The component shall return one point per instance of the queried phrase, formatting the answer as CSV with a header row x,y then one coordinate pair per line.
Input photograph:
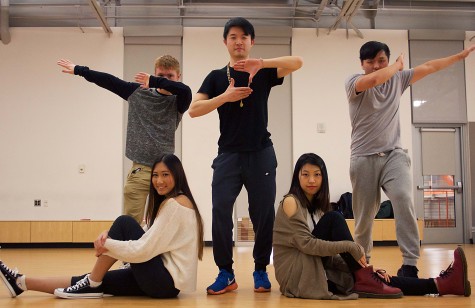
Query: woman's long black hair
x,y
155,200
321,200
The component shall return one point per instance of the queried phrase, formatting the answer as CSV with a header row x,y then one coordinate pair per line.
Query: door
x,y
438,179
439,116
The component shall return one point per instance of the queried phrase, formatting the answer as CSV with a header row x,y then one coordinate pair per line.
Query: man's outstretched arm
x,y
436,65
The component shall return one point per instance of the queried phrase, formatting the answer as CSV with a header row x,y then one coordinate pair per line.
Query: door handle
x,y
457,187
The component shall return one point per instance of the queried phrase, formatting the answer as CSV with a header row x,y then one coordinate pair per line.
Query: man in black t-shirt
x,y
240,91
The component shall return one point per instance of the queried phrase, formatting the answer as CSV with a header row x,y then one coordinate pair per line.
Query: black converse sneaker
x,y
9,277
82,289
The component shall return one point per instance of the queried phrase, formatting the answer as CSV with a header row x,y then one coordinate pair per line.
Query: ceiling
x,y
331,14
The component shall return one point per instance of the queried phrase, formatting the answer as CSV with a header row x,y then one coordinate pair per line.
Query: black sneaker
x,y
82,289
10,279
408,271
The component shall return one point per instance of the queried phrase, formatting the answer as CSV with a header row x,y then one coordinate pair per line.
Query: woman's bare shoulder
x,y
289,205
184,201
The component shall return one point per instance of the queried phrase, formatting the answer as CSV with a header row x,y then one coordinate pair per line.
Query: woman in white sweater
x,y
163,258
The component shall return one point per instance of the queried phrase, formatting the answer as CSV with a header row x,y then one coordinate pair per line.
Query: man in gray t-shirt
x,y
153,117
377,158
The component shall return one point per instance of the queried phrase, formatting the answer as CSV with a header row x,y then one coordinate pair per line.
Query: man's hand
x,y
68,65
467,51
252,66
143,79
234,94
400,61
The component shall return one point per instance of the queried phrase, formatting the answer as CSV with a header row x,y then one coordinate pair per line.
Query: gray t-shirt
x,y
374,114
152,121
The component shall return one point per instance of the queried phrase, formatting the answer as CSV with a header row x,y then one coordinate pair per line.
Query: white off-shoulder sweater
x,y
174,236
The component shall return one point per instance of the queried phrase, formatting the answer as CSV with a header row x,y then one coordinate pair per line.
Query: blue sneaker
x,y
261,281
225,282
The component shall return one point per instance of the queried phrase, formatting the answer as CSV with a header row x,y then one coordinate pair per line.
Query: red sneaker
x,y
369,285
454,279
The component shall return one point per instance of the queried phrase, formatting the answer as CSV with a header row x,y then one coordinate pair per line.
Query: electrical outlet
x,y
321,128
37,202
82,168
45,203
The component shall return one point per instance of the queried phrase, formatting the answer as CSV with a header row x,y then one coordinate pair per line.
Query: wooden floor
x,y
67,262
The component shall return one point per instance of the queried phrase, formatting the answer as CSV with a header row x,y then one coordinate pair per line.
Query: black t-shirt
x,y
242,128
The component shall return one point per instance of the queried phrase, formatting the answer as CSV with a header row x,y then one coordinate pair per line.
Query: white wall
x,y
203,51
319,96
51,122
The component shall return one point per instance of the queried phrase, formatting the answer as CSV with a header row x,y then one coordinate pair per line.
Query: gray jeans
x,y
392,173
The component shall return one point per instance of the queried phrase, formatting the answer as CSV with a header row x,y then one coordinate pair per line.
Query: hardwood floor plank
x,y
58,262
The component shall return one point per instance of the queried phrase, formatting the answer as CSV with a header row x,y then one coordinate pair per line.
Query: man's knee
x,y
403,200
222,211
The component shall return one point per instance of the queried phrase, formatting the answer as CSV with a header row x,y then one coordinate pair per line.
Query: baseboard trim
x,y
46,245
385,243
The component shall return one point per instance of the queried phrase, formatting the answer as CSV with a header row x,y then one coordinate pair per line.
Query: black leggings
x,y
149,278
332,227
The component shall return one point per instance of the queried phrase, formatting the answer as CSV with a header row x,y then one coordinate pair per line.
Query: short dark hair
x,y
370,49
240,22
